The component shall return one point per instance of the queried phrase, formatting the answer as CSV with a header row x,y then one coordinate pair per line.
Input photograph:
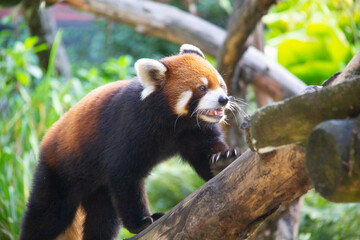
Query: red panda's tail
x,y
75,231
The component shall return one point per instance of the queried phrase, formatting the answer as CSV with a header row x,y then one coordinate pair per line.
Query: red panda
x,y
93,161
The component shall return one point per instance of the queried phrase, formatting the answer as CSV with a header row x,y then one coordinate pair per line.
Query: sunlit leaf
x,y
23,78
30,42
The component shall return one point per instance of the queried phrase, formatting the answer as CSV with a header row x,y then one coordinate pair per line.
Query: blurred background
x,y
311,39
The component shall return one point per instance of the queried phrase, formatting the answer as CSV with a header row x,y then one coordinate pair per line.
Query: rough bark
x,y
339,98
333,160
221,209
292,121
172,24
42,24
284,223
245,16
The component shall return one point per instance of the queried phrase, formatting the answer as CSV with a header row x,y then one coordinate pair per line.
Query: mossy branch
x,y
292,120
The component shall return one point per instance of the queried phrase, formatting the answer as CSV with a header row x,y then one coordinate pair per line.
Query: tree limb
x,y
245,16
172,24
221,209
279,83
292,120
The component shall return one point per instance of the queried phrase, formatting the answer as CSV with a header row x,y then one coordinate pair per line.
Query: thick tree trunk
x,y
333,160
42,24
236,201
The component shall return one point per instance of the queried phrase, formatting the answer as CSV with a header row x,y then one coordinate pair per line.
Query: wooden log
x,y
292,120
333,160
237,200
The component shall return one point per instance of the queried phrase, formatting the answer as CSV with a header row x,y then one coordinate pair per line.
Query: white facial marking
x,y
182,103
147,91
211,99
205,80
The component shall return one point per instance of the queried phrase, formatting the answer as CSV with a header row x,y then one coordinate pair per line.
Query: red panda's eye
x,y
202,88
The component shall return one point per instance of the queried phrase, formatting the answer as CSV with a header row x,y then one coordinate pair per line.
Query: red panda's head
x,y
191,85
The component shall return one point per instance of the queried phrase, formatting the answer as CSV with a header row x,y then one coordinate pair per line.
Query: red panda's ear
x,y
151,74
188,48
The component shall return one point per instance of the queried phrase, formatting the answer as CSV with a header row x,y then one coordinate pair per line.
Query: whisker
x,y
176,122
197,117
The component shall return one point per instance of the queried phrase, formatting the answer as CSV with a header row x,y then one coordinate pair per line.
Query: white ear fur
x,y
188,48
151,73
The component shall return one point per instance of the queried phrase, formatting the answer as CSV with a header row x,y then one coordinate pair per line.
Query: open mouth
x,y
215,113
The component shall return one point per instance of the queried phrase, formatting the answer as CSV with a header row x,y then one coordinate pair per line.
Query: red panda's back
x,y
77,126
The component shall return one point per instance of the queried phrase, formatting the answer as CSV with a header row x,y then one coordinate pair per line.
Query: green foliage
x,y
180,181
313,39
323,220
109,40
31,100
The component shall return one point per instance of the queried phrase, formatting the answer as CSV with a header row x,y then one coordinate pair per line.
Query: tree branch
x,y
279,83
292,120
180,27
221,209
245,16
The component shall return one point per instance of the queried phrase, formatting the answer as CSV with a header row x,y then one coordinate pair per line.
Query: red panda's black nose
x,y
223,100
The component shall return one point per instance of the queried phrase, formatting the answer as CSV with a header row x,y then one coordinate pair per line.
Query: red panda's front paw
x,y
219,161
144,223
156,216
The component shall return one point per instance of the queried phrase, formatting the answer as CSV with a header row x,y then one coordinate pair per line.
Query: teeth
x,y
214,112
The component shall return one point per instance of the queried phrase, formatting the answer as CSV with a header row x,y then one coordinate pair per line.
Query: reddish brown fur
x,y
80,121
187,69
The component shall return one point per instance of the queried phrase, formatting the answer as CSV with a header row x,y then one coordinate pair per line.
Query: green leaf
x,y
51,65
30,42
40,47
22,77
